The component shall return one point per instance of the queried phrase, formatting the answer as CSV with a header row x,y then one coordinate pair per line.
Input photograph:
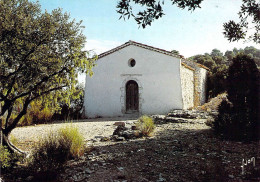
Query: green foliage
x,y
36,114
145,125
57,148
72,109
175,52
218,63
41,54
5,157
237,119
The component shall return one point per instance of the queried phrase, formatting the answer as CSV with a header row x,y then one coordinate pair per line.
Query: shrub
x,y
146,125
50,155
57,148
72,136
5,157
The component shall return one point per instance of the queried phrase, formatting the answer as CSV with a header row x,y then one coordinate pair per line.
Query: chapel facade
x,y
135,78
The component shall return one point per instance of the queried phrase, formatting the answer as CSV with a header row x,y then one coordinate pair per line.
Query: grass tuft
x,y
145,125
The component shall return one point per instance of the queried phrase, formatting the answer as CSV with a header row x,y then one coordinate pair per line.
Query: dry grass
x,y
213,103
145,125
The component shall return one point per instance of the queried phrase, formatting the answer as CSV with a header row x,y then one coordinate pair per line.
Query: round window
x,y
132,62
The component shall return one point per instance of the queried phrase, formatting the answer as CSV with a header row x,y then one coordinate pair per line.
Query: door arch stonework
x,y
123,94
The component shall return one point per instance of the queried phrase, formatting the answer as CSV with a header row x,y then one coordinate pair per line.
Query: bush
x,y
57,148
5,157
50,155
72,136
146,125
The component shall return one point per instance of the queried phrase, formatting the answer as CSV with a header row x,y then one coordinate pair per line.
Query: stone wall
x,y
200,78
187,84
202,85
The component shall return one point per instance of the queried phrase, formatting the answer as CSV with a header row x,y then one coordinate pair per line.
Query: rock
x,y
114,137
117,138
93,140
158,117
161,179
120,168
120,139
98,136
134,127
128,134
119,123
118,131
29,178
141,150
88,171
231,176
104,139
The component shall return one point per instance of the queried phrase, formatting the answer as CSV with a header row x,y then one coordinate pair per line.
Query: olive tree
x,y
41,54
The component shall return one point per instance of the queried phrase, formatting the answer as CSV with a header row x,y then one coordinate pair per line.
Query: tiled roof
x,y
186,66
202,66
130,42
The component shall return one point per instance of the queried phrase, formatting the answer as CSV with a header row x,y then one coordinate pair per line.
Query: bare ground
x,y
176,152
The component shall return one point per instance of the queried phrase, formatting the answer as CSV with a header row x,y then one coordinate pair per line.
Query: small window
x,y
131,62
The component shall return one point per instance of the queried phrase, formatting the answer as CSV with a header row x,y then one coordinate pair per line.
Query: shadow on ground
x,y
173,154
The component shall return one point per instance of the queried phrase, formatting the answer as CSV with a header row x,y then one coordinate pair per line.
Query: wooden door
x,y
132,96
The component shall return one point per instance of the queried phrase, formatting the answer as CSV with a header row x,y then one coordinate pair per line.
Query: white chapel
x,y
141,79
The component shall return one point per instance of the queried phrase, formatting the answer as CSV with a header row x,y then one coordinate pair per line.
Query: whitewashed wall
x,y
157,75
187,82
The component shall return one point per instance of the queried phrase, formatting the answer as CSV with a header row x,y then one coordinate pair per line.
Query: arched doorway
x,y
132,96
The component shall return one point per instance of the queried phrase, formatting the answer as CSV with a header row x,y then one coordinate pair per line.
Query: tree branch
x,y
28,100
8,129
8,115
46,78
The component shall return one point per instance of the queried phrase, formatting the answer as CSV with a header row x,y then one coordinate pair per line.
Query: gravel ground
x,y
92,129
176,152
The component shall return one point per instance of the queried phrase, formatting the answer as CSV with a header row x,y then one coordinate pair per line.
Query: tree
x,y
40,56
233,31
175,52
229,55
238,118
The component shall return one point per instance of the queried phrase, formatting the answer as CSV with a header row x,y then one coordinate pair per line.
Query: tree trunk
x,y
6,142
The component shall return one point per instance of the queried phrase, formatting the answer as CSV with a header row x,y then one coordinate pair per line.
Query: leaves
x,y
249,16
40,53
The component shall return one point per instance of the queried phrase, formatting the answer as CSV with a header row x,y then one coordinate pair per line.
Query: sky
x,y
190,33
